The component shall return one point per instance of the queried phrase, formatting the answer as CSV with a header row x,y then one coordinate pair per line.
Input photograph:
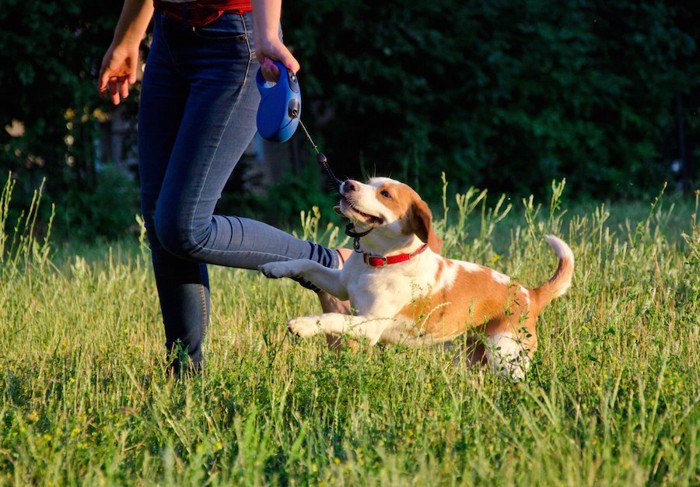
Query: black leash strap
x,y
356,236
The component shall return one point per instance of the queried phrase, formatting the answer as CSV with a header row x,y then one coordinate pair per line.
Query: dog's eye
x,y
385,193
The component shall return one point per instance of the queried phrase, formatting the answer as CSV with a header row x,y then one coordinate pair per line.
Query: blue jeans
x,y
196,117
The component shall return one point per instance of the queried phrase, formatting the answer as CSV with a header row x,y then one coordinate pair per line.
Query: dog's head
x,y
391,209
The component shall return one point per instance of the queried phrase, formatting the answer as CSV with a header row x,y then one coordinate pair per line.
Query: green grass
x,y
612,398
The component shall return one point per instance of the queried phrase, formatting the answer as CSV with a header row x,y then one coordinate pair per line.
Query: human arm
x,y
120,62
268,46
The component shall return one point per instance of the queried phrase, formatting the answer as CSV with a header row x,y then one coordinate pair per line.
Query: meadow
x,y
612,397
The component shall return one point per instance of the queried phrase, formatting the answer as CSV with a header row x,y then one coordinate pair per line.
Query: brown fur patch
x,y
413,212
473,300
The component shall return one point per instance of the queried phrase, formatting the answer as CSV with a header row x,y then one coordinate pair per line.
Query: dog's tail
x,y
561,280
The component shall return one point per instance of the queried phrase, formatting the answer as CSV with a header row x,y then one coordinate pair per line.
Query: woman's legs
x,y
196,117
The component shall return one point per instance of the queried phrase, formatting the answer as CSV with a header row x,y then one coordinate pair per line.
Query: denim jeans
x,y
196,117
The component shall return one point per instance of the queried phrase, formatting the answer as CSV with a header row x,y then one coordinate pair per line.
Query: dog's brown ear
x,y
421,224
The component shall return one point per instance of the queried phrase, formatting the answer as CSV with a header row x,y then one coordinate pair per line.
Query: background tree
x,y
501,94
49,55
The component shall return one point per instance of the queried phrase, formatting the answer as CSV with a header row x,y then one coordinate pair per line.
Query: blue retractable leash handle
x,y
280,105
279,113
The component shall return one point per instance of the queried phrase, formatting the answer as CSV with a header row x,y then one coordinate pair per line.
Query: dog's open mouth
x,y
349,210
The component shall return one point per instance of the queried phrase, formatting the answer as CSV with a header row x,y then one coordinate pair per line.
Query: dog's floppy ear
x,y
420,221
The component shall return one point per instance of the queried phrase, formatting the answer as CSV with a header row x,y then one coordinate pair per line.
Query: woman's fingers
x,y
269,71
124,82
118,88
276,50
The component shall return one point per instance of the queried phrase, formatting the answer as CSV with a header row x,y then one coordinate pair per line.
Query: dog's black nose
x,y
349,186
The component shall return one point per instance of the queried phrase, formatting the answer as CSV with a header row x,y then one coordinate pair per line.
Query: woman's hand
x,y
121,62
268,46
274,50
118,71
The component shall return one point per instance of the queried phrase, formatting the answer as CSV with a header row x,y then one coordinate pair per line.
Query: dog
x,y
405,292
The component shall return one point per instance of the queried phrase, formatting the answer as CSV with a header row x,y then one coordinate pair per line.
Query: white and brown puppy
x,y
403,291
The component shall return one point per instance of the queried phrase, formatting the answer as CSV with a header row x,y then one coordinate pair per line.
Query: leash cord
x,y
322,160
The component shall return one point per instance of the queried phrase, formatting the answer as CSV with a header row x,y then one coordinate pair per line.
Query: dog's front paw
x,y
306,326
276,270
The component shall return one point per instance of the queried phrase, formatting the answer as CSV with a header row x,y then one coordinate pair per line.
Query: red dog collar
x,y
374,261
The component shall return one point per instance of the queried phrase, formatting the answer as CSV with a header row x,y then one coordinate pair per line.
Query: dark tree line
x,y
506,94
501,94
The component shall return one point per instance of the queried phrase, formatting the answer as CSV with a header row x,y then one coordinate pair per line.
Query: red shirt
x,y
201,12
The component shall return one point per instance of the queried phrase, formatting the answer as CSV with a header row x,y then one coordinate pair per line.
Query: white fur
x,y
498,277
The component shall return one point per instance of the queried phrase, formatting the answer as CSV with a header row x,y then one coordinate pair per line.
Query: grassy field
x,y
612,398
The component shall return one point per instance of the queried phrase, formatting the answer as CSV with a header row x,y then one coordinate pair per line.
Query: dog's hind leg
x,y
507,355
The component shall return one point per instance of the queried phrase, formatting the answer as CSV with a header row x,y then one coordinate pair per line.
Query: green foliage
x,y
107,209
612,398
504,95
50,52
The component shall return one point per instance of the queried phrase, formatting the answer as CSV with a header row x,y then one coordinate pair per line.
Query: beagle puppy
x,y
405,292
